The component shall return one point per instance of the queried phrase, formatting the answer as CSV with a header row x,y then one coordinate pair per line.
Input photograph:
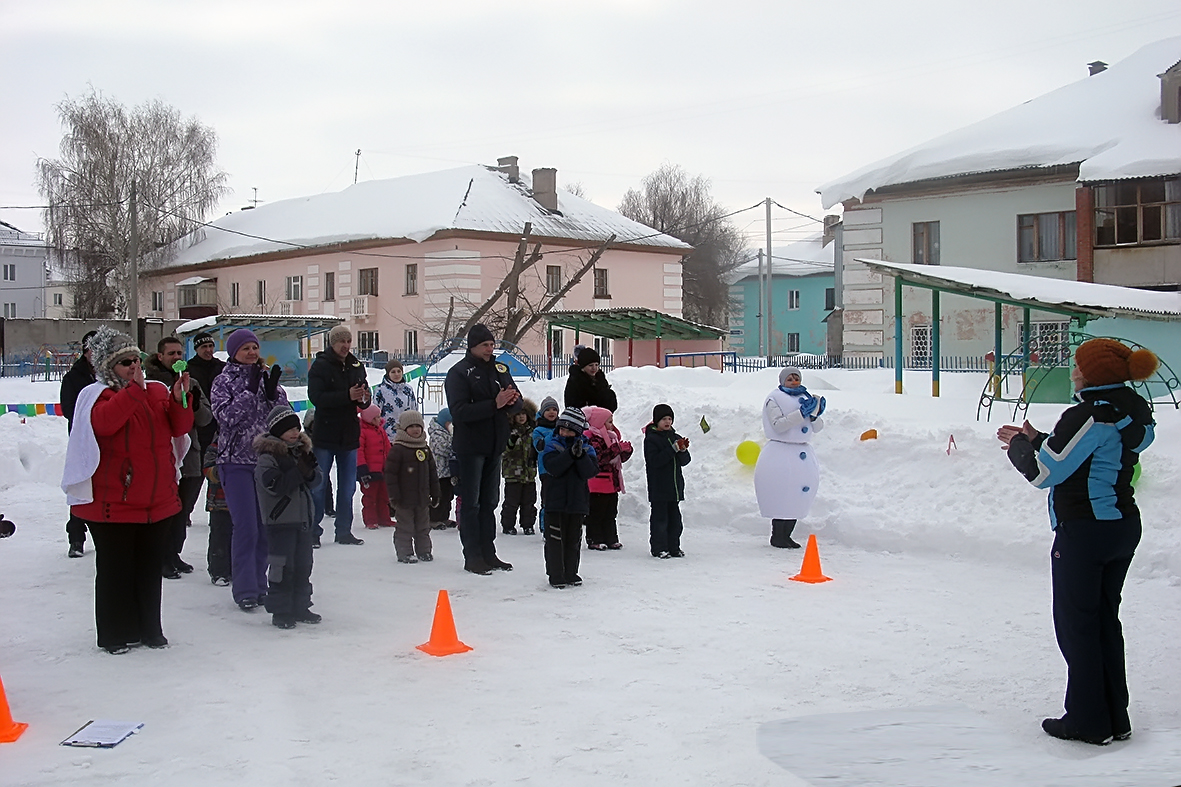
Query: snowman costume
x,y
787,474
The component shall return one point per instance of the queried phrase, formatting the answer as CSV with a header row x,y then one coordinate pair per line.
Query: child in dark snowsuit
x,y
570,462
665,453
519,467
413,484
547,419
284,478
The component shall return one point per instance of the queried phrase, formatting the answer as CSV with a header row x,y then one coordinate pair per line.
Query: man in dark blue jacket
x,y
1087,464
481,395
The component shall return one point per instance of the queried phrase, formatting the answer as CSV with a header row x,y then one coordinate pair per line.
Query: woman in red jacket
x,y
121,479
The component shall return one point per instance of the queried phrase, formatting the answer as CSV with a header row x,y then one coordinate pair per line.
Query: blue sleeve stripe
x,y
1121,423
1054,468
1149,436
1106,462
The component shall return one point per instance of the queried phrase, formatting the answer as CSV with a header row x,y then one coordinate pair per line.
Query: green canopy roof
x,y
632,324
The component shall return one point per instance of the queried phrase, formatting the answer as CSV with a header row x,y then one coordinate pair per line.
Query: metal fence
x,y
53,367
947,363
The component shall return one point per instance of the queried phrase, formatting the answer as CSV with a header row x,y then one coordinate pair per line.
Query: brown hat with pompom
x,y
1106,362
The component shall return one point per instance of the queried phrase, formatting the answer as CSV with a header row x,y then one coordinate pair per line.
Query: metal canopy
x,y
265,326
639,324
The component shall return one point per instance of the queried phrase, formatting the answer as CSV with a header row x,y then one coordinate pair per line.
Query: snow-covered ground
x,y
929,660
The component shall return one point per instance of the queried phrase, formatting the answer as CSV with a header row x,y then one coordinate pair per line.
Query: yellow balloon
x,y
748,452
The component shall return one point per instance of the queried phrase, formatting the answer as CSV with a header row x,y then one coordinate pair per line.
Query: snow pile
x,y
1110,122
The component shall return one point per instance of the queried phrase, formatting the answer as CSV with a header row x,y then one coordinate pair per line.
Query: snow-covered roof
x,y
193,280
803,258
1098,300
415,207
1110,124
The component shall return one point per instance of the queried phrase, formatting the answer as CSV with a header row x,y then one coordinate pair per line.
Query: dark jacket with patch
x,y
662,464
583,389
202,415
567,491
284,479
337,427
1088,460
411,478
472,386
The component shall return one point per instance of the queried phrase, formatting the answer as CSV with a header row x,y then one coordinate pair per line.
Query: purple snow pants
x,y
248,550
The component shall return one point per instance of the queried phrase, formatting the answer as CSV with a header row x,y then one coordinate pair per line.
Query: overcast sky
x,y
767,99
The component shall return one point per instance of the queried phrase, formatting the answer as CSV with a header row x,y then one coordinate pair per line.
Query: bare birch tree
x,y
104,148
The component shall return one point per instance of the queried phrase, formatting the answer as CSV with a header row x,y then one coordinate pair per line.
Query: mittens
x,y
577,450
819,409
807,406
272,382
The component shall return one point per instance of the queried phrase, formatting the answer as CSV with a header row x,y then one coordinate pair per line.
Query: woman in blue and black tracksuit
x,y
1087,464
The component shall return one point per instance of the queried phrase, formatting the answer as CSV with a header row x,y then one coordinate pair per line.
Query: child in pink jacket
x,y
375,447
612,452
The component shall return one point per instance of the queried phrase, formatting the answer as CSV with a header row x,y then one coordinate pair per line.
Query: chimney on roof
x,y
1097,67
830,229
545,188
508,165
1170,94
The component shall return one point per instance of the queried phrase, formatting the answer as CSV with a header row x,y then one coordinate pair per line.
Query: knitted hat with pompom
x,y
1106,362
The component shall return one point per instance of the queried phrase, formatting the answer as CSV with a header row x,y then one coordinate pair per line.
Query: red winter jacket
x,y
375,447
136,476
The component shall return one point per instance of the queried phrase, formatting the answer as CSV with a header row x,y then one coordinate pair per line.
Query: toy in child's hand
x,y
179,367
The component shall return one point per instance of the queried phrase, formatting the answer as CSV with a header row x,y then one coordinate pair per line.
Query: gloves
x,y
808,406
819,409
363,476
577,450
683,444
272,382
253,377
307,465
454,480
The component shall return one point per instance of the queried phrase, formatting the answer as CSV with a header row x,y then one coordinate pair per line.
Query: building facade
x,y
23,260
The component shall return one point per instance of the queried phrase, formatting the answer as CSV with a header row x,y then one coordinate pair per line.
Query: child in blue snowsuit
x,y
547,420
572,463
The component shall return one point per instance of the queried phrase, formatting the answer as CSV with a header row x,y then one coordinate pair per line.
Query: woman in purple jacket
x,y
242,396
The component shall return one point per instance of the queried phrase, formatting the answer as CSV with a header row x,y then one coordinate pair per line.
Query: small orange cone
x,y
810,572
444,641
869,434
9,730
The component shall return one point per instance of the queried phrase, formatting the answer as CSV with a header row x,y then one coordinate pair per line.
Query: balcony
x,y
289,308
364,307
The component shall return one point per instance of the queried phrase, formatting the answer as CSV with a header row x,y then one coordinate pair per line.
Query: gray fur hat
x,y
107,348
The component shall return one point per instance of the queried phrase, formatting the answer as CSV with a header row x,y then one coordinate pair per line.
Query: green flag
x,y
704,425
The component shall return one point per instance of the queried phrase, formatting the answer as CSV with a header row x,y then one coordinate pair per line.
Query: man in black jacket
x,y
81,374
203,368
587,385
481,395
339,389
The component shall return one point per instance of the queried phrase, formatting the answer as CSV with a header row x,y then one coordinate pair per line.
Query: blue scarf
x,y
801,393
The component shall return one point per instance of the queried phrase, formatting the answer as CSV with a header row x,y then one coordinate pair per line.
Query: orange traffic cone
x,y
9,730
444,641
810,572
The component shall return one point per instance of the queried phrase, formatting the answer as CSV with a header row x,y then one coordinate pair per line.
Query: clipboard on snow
x,y
103,733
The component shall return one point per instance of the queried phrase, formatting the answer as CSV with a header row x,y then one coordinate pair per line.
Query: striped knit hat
x,y
107,348
572,418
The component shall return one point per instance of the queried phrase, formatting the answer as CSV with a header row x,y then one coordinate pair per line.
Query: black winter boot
x,y
781,530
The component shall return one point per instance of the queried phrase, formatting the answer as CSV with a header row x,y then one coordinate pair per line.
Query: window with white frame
x,y
10,271
601,289
793,342
1049,341
260,292
603,347
556,343
1045,237
920,346
330,286
235,294
367,342
412,278
793,300
157,301
188,295
410,342
57,299
293,288
553,278
925,236
10,311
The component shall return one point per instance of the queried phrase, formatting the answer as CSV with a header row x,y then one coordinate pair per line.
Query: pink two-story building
x,y
404,262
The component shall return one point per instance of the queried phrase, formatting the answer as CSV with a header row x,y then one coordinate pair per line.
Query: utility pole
x,y
357,166
770,285
133,302
762,301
